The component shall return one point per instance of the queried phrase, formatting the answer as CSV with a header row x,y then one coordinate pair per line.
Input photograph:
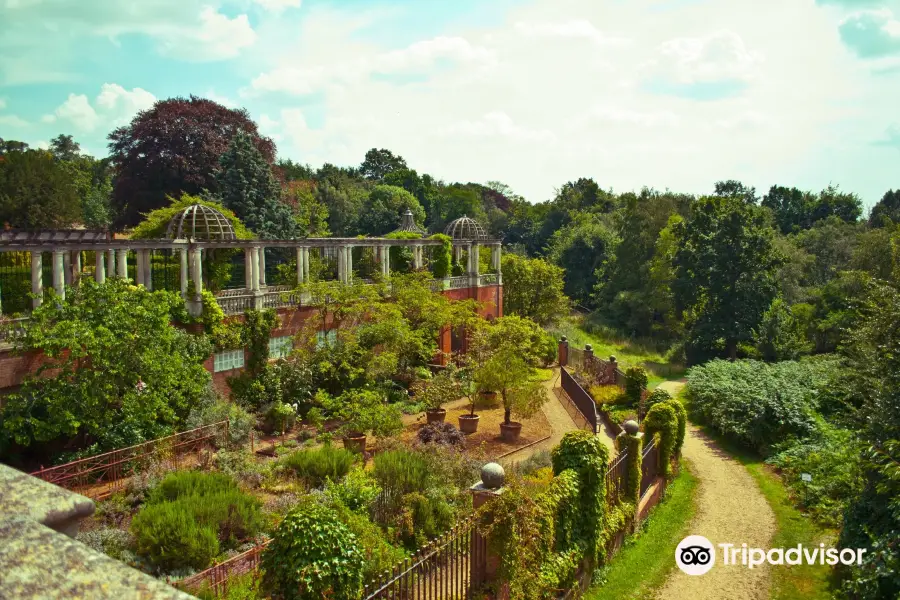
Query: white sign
x,y
805,476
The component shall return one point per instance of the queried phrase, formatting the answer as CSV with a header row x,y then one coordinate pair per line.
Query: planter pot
x,y
435,415
468,423
509,432
355,442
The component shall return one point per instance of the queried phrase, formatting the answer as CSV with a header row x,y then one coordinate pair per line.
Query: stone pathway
x,y
730,509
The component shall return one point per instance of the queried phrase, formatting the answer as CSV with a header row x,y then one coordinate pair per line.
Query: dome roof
x,y
408,224
465,228
200,222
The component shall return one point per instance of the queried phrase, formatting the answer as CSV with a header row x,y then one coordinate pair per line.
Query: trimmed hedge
x,y
315,467
662,419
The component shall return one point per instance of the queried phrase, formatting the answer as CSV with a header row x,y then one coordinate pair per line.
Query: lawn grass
x,y
628,353
644,563
795,582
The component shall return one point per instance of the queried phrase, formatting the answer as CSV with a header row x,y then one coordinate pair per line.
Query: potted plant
x,y
468,424
437,391
365,412
509,373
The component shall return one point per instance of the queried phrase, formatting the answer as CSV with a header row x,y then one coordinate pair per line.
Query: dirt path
x,y
730,509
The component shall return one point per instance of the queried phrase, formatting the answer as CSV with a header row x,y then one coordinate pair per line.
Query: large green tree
x,y
384,208
380,163
36,192
533,288
887,208
581,248
171,148
116,372
248,187
725,265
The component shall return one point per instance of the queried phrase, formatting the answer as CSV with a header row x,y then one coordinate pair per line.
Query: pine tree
x,y
248,187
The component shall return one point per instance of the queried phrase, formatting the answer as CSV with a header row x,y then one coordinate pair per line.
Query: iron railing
x,y
452,567
582,400
615,478
488,279
460,282
649,465
217,579
12,329
99,476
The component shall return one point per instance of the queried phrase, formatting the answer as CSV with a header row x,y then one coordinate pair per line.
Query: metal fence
x,y
582,400
615,478
649,465
218,578
99,476
452,567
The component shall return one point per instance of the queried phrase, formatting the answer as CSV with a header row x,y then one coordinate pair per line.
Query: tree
x,y
781,335
36,192
384,208
725,269
831,242
171,148
509,374
660,279
64,147
735,189
344,200
581,249
533,288
379,163
310,212
7,146
833,202
248,187
792,208
116,372
887,208
453,202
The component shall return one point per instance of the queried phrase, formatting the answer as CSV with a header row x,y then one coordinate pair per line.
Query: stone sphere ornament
x,y
631,427
492,476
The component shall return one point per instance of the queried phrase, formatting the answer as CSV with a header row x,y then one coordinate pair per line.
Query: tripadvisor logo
x,y
696,555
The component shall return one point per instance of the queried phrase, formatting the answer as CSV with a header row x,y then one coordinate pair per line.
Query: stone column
x,y
111,262
485,563
139,267
148,269
59,273
349,270
299,266
562,353
417,256
37,279
248,269
385,261
195,302
262,267
67,268
254,268
184,273
496,260
475,257
631,441
342,264
457,252
122,263
75,261
99,267
305,263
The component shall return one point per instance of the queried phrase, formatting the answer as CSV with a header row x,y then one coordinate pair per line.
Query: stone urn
x,y
510,432
468,424
435,415
355,442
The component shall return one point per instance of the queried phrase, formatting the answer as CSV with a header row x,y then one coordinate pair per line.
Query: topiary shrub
x,y
663,420
442,256
635,384
443,434
170,537
656,396
401,471
327,564
681,413
317,466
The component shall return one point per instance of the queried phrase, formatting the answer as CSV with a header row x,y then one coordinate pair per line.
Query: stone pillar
x,y
184,273
417,256
457,252
497,261
139,267
474,255
631,441
262,267
37,279
385,261
67,268
342,264
59,273
75,261
148,269
99,267
588,354
254,268
248,268
562,352
485,563
111,262
197,272
122,263
299,265
349,270
305,263
611,368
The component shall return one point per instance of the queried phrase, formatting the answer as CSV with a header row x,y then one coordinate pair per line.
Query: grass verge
x,y
646,560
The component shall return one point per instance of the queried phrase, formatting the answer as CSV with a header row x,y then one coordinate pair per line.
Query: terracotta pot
x,y
435,415
468,423
509,432
355,442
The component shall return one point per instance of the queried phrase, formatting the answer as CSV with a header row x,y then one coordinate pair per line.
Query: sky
x,y
671,94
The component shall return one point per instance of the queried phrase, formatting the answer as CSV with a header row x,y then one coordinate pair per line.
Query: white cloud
x,y
216,37
720,56
576,29
113,106
13,121
278,6
496,125
223,100
872,33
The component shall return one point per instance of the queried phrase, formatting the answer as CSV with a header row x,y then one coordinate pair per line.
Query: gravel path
x,y
730,509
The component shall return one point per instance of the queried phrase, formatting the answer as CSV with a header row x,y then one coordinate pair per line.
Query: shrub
x,y
663,420
401,471
655,397
328,564
379,554
213,409
424,516
168,535
535,462
317,466
759,404
187,483
681,414
635,384
443,434
608,394
111,541
357,491
547,349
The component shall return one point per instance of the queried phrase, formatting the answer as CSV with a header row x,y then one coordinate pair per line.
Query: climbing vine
x,y
255,333
635,384
633,445
681,414
662,419
442,257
